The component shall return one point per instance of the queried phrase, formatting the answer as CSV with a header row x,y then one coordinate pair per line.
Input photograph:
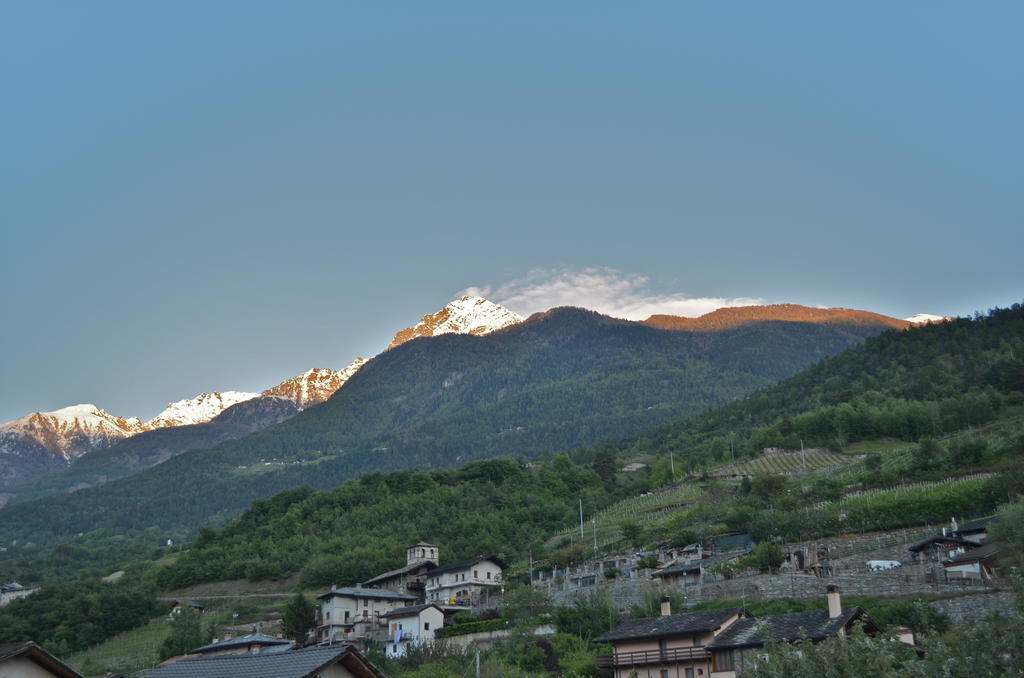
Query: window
x,y
346,615
488,575
689,673
722,661
697,642
366,602
663,648
426,626
476,574
664,673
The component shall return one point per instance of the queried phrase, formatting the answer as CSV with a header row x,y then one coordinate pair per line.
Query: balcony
x,y
673,655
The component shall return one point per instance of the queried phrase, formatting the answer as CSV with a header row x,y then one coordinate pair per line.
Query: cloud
x,y
606,290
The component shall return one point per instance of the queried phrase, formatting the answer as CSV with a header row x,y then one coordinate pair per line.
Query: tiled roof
x,y
669,625
462,565
979,523
409,611
400,571
980,553
815,625
294,664
242,641
356,592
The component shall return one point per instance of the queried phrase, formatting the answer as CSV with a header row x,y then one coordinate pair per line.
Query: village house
x,y
177,606
252,643
740,645
976,530
411,578
669,646
979,563
28,660
340,660
411,626
719,643
938,548
463,583
356,612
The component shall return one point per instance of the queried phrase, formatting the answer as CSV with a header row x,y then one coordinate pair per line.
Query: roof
x,y
359,592
815,626
978,524
303,663
38,655
946,539
402,570
670,625
242,641
410,611
678,567
461,565
980,553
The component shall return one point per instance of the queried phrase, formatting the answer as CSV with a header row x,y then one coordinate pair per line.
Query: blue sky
x,y
200,196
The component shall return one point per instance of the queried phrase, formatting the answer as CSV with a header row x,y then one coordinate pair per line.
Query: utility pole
x,y
478,664
803,455
594,523
732,452
672,463
581,518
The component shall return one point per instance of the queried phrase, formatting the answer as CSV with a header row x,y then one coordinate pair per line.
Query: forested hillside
x,y
927,381
561,379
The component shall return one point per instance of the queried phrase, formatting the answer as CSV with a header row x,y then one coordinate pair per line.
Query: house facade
x,y
669,646
28,660
411,578
356,612
410,626
979,563
463,583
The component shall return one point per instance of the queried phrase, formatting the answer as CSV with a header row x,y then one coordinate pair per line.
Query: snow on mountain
x,y
67,432
315,385
198,410
468,315
924,318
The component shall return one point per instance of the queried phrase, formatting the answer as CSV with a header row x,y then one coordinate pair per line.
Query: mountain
x,y
43,441
203,407
559,379
315,385
199,420
468,315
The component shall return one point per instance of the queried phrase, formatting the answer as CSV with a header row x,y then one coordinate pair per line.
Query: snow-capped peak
x,y
315,385
468,315
925,318
198,410
69,431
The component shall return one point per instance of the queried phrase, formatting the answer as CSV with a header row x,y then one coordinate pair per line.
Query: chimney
x,y
666,606
835,605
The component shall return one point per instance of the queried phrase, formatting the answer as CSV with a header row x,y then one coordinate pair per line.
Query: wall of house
x,y
336,671
19,667
472,579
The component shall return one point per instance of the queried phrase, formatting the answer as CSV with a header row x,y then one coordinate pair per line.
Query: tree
x,y
298,618
768,556
186,634
632,533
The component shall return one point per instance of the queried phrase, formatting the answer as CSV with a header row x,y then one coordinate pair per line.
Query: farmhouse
x,y
356,612
462,583
411,626
28,660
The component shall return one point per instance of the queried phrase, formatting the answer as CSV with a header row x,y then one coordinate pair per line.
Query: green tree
x,y
768,556
298,617
186,634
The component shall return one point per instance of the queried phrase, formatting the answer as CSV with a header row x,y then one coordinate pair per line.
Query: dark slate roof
x,y
669,625
242,641
980,553
295,664
815,626
400,571
462,565
352,591
38,655
939,538
979,524
680,567
407,611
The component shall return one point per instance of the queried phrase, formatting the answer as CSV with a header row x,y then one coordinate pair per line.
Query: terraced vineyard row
x,y
789,462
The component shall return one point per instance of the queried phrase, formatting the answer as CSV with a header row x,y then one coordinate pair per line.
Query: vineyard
x,y
786,462
646,509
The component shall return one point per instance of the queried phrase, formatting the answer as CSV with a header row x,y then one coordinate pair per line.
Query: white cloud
x,y
606,290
